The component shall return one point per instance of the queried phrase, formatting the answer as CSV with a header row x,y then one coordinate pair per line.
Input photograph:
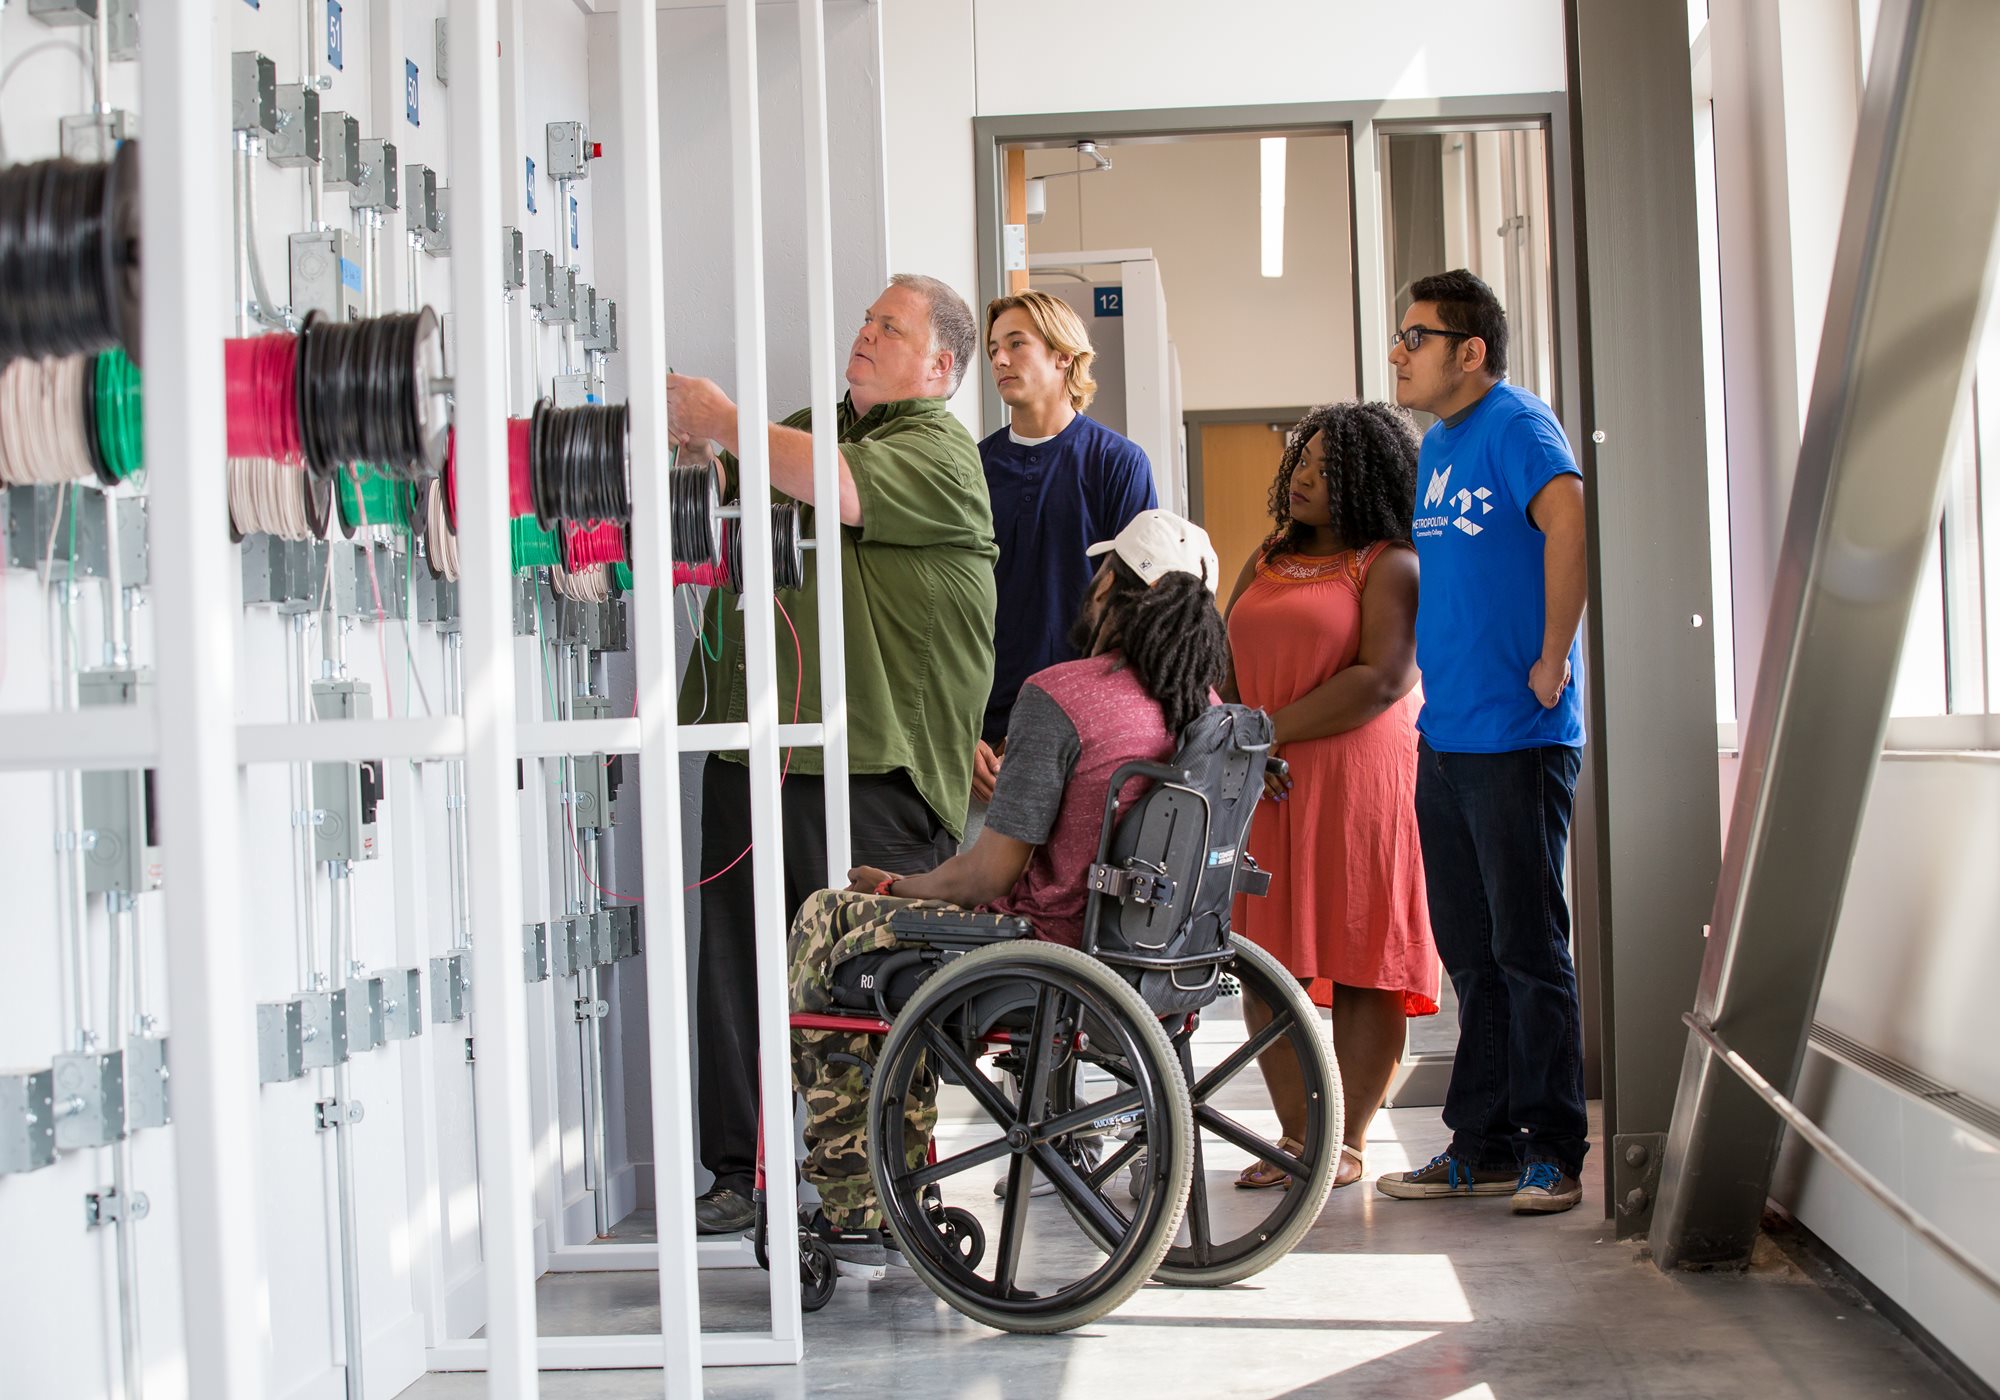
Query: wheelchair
x,y
1100,1048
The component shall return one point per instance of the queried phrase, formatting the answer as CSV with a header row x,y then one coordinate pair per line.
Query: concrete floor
x,y
1451,1300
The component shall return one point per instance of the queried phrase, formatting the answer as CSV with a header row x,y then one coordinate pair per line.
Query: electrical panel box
x,y
27,1120
147,1101
326,275
280,1041
419,197
513,262
535,952
437,241
570,151
323,1016
541,282
366,1018
89,1098
94,139
602,329
569,947
123,855
375,183
253,93
345,795
570,390
339,150
63,14
297,139
451,987
403,1003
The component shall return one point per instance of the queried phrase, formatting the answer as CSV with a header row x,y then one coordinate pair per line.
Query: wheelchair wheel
x,y
1228,1234
1068,1008
963,1232
818,1274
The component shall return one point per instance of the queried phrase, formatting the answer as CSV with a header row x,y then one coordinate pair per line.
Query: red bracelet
x,y
882,885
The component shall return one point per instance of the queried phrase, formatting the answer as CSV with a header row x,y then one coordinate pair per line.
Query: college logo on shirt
x,y
1464,500
1428,526
1434,493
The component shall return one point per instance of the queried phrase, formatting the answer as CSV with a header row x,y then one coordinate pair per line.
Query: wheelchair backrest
x,y
1162,890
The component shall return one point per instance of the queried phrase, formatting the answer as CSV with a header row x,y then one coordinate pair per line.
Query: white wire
x,y
89,68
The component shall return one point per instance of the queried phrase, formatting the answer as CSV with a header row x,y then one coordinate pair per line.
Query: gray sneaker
x,y
1544,1188
1446,1175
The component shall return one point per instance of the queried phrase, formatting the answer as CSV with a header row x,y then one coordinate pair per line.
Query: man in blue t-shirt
x,y
1058,482
1499,532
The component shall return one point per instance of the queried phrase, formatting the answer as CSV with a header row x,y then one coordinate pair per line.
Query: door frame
x,y
1194,420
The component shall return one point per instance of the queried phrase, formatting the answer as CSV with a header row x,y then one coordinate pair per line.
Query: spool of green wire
x,y
374,493
621,574
534,547
120,414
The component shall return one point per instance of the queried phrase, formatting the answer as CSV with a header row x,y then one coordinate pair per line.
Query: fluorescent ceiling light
x,y
1271,150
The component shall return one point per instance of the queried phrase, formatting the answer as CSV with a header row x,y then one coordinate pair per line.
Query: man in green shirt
x,y
917,556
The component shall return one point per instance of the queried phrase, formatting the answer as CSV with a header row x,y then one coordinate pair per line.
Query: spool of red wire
x,y
602,543
520,484
260,378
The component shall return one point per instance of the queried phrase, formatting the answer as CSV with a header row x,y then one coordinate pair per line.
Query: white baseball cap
x,y
1158,542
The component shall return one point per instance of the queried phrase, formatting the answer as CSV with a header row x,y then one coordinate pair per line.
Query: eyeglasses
x,y
1411,338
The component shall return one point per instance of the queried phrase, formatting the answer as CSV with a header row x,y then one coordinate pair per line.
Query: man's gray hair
x,y
952,326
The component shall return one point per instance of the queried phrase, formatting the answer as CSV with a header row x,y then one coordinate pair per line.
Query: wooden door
x,y
1239,461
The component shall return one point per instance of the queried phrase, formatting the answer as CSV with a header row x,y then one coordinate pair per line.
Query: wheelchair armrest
x,y
959,927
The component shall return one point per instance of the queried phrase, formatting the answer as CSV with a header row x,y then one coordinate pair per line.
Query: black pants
x,y
892,828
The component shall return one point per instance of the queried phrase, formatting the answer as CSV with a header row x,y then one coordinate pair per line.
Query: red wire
x,y
520,493
263,407
601,543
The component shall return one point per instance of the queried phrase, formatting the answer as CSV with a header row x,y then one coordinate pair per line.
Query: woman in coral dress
x,y
1322,634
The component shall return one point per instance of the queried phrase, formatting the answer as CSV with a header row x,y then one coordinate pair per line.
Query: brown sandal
x,y
1263,1176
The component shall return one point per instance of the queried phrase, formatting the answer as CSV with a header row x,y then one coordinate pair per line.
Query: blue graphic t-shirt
x,y
1481,603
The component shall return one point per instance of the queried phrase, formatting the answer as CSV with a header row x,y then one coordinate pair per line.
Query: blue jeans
x,y
1495,827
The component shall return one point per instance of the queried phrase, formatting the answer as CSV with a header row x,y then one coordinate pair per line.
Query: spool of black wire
x,y
694,495
69,256
788,560
365,395
579,464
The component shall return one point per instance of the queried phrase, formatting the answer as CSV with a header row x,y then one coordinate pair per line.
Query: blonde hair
x,y
1057,323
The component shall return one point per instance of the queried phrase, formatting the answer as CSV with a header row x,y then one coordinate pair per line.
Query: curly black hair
x,y
1370,472
1170,634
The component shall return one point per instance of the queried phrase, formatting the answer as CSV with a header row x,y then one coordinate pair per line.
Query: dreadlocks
x,y
1170,633
1370,452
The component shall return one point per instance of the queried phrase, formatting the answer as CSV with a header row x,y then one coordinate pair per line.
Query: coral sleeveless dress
x,y
1347,877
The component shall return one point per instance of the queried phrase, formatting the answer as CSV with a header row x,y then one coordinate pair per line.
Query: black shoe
x,y
722,1211
849,1246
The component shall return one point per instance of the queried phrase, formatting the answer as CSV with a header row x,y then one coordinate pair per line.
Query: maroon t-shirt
x,y
1072,727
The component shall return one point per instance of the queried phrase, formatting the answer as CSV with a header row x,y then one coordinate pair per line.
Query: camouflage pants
x,y
833,927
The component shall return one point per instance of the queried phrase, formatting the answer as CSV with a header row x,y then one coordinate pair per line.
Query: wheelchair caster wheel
x,y
964,1234
760,1238
818,1273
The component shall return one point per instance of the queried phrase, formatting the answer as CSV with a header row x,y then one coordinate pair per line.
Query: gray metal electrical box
x,y
583,306
562,307
603,939
440,69
569,946
587,780
541,282
35,514
339,150
148,1104
91,138
89,1098
570,390
326,275
570,151
375,179
420,203
437,242
345,795
63,14
123,855
27,1120
403,1003
297,139
367,1020
602,333
535,952
513,262
253,92
280,1041
451,987
323,1016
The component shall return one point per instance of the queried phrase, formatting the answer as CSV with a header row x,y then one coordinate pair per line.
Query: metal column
x,y
1649,852
1912,275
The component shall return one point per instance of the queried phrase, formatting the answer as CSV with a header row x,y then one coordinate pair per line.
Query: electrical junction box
x,y
89,1099
375,185
366,1019
602,331
323,1033
569,946
124,26
562,308
603,939
345,795
266,563
440,69
423,595
297,139
326,274
570,151
614,631
27,1120
420,198
148,1103
535,952
63,14
524,604
585,308
541,282
437,242
339,150
94,139
570,390
587,780
447,606
513,262
451,987
280,1041
253,93
624,930
402,1003
37,514
123,855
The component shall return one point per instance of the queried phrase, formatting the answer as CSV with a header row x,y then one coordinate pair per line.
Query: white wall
x,y
1245,340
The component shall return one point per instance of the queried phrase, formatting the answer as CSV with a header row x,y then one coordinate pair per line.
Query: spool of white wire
x,y
42,423
439,540
590,584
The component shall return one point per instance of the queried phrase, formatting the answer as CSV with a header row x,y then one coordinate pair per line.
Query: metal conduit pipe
x,y
131,1354
341,1120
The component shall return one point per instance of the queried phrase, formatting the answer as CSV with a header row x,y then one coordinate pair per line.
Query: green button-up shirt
x,y
916,583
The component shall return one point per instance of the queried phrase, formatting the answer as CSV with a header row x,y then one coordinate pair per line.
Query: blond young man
x,y
1058,481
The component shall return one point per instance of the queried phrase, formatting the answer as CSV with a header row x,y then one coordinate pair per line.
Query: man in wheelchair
x,y
1153,650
